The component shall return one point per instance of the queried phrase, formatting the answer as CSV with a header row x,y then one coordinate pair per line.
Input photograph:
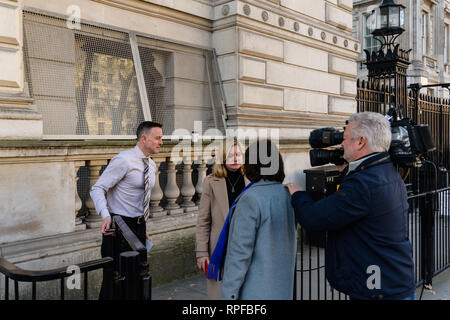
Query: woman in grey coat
x,y
261,249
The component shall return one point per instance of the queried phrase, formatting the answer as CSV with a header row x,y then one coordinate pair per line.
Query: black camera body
x,y
407,144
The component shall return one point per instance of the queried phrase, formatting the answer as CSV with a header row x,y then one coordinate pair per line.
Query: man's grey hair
x,y
375,127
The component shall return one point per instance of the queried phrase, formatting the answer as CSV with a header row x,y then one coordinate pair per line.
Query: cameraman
x,y
368,253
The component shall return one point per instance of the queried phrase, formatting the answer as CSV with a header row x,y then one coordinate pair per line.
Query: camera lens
x,y
325,137
319,157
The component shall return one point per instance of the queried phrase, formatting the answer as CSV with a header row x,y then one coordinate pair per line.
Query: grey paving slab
x,y
188,289
440,289
194,288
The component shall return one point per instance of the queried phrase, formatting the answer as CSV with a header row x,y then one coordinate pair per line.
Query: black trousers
x,y
109,242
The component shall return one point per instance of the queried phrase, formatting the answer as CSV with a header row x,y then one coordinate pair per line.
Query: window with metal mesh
x,y
154,69
85,82
106,87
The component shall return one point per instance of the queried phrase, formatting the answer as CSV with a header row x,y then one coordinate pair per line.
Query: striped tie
x,y
146,191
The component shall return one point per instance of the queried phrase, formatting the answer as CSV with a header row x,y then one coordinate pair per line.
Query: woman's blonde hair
x,y
226,147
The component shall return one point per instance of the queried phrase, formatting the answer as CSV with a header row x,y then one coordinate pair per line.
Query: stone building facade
x,y
427,34
77,77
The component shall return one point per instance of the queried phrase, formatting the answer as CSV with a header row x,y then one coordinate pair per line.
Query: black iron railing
x,y
429,233
125,275
429,194
16,274
420,108
429,219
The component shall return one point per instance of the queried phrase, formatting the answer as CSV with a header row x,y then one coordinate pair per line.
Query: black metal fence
x,y
429,218
16,275
429,233
420,108
428,195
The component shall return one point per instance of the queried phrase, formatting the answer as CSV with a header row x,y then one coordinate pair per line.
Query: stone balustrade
x,y
57,177
48,219
174,192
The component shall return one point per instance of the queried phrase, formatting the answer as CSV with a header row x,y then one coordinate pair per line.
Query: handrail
x,y
428,192
13,272
108,264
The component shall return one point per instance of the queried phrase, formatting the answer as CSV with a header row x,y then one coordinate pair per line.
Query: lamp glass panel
x,y
402,18
384,13
394,17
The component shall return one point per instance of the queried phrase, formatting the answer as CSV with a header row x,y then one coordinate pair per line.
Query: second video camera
x,y
323,138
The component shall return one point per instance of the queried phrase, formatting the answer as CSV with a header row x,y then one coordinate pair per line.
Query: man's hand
x,y
202,263
292,187
106,224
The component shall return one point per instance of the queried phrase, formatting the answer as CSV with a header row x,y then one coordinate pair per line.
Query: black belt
x,y
138,220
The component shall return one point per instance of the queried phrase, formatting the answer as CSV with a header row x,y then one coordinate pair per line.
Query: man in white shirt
x,y
120,190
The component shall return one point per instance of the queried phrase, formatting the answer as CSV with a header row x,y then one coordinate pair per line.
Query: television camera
x,y
409,142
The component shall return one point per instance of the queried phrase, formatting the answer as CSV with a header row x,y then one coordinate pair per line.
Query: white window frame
x,y
424,33
446,39
374,43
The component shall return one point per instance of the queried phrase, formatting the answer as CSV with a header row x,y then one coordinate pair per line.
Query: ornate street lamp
x,y
391,22
390,25
387,66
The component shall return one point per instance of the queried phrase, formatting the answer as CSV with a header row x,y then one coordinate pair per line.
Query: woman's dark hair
x,y
263,161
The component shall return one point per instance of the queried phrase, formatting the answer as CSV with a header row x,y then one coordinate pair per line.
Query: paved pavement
x,y
440,290
195,289
188,289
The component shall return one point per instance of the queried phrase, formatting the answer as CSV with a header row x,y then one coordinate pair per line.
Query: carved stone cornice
x,y
266,17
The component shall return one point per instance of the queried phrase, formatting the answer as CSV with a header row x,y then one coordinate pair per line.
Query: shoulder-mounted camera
x,y
408,142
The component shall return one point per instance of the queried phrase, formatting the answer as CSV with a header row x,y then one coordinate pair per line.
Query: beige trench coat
x,y
212,214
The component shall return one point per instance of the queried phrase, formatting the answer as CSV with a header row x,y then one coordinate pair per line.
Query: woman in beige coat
x,y
220,189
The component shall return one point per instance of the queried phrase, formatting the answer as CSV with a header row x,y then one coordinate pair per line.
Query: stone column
x,y
188,189
157,194
79,225
201,176
171,190
93,220
18,116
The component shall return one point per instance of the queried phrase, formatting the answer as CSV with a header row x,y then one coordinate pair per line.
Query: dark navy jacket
x,y
366,220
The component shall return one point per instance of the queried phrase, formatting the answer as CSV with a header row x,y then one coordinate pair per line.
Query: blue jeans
x,y
411,297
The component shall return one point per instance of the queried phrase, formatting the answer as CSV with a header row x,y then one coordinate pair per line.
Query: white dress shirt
x,y
123,183
355,164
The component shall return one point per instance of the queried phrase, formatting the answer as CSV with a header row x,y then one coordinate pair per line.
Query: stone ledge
x,y
39,247
18,113
77,143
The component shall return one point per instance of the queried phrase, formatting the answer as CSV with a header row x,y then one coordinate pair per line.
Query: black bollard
x,y
130,271
145,287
